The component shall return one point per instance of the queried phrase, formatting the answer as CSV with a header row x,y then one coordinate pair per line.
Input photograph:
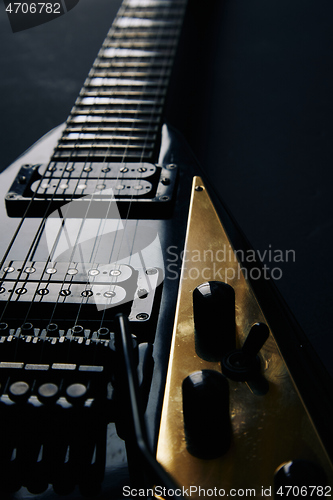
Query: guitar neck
x,y
118,113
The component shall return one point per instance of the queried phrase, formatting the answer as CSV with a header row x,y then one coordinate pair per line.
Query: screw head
x,y
151,270
142,316
142,293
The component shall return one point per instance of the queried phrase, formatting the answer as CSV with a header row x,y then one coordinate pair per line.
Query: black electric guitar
x,y
123,368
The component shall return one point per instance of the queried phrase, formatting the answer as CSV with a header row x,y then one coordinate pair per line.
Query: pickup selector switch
x,y
207,423
214,319
244,364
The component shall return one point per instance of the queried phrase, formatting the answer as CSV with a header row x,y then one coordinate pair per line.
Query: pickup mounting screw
x,y
142,316
151,270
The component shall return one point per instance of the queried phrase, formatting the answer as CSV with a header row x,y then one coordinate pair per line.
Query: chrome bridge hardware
x,y
140,190
55,411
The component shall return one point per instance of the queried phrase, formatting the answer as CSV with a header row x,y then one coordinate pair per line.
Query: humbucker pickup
x,y
140,190
91,292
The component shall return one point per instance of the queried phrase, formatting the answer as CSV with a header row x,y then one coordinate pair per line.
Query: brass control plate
x,y
267,430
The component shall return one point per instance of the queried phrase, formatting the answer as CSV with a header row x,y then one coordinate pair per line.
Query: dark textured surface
x,y
264,133
254,102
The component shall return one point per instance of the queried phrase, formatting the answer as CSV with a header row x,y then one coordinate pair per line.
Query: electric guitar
x,y
140,345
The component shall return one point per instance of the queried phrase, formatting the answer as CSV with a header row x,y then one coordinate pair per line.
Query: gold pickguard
x,y
267,430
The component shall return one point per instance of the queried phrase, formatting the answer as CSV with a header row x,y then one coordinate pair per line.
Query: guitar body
x,y
171,233
70,266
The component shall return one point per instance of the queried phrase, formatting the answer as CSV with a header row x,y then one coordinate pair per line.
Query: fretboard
x,y
117,116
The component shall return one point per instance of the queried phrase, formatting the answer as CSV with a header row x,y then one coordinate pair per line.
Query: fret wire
x,y
117,129
120,93
123,83
115,112
137,43
108,119
115,135
128,72
138,33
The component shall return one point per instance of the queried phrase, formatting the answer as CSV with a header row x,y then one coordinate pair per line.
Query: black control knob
x,y
206,414
244,364
214,319
299,473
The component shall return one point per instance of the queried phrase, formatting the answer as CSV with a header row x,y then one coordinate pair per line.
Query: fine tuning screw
x,y
206,414
244,364
214,319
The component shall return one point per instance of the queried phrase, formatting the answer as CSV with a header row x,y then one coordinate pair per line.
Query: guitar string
x,y
113,284
170,52
75,245
71,258
37,234
142,155
104,160
61,230
167,59
99,240
25,214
